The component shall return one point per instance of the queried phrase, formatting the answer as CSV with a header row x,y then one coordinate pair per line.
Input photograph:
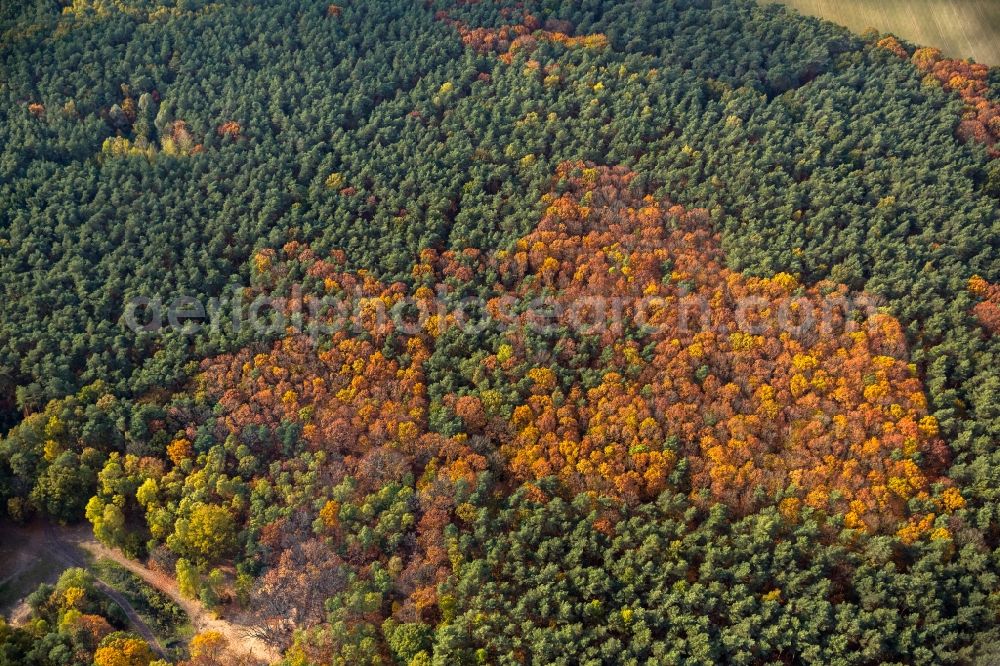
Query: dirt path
x,y
236,634
69,556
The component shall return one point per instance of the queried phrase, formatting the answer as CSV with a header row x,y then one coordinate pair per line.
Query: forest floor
x,y
960,28
40,553
235,631
21,568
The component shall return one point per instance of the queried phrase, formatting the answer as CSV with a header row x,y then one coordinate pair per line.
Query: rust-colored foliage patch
x,y
230,128
987,310
981,119
893,45
525,36
708,364
660,353
365,411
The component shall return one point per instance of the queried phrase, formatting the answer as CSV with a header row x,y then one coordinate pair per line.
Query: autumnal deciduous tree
x,y
208,533
87,629
230,128
207,646
122,649
893,45
188,578
292,593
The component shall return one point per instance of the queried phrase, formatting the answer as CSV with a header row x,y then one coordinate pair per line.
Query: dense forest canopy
x,y
642,491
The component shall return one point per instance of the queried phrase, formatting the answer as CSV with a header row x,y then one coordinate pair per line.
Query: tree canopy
x,y
735,397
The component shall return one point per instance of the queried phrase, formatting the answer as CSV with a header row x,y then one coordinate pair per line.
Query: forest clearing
x,y
38,553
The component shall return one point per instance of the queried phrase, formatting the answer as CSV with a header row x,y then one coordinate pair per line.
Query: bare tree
x,y
292,593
